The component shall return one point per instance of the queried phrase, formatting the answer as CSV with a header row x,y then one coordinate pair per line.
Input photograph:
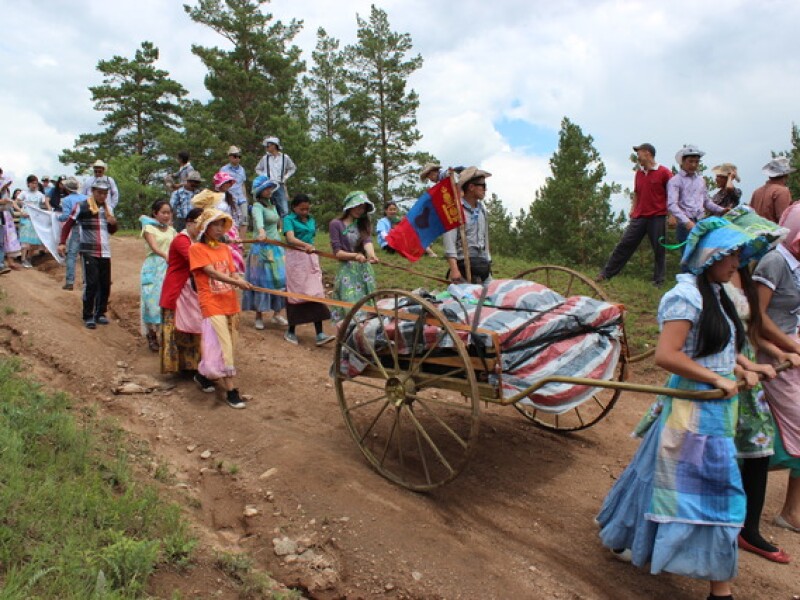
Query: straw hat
x,y
427,169
207,199
471,173
211,215
726,169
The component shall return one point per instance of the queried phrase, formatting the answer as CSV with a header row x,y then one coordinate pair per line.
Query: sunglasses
x,y
235,155
483,185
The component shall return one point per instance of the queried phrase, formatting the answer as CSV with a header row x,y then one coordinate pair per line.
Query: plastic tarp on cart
x,y
541,333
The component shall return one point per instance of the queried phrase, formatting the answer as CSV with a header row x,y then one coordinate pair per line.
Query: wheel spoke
x,y
428,439
375,420
364,358
391,435
580,418
415,368
377,360
444,425
364,383
418,326
420,448
448,404
382,324
358,405
569,285
600,404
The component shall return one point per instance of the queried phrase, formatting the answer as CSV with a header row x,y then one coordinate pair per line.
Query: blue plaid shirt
x,y
181,202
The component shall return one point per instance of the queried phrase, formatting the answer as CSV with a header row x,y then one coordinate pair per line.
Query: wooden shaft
x,y
334,257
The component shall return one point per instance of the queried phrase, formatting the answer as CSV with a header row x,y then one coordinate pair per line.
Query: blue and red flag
x,y
435,212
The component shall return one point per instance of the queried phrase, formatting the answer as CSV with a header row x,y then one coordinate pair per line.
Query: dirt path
x,y
516,524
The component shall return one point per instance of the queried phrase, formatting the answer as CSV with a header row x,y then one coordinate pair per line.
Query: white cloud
x,y
716,73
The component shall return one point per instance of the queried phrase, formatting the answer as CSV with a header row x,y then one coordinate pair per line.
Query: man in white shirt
x,y
99,173
278,167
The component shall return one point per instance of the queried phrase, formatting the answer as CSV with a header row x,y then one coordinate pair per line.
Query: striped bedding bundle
x,y
541,334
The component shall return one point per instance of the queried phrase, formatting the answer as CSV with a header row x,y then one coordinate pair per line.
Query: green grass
x,y
75,523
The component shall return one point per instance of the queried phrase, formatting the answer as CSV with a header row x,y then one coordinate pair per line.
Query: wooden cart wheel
x,y
565,281
414,411
580,417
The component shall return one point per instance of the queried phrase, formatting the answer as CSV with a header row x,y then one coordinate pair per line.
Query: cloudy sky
x,y
497,77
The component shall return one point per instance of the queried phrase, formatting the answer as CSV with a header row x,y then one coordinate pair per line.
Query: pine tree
x,y
341,158
794,156
570,220
142,105
254,85
141,102
501,227
379,68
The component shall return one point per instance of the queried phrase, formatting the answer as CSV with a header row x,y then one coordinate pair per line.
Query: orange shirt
x,y
216,297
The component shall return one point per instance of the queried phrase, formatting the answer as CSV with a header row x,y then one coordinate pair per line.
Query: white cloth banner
x,y
48,228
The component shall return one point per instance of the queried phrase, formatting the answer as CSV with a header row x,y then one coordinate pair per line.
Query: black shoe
x,y
102,320
234,400
90,324
68,287
205,383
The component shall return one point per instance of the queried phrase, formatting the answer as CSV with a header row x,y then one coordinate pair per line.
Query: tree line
x,y
348,119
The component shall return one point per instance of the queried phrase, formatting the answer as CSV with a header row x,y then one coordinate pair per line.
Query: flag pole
x,y
462,229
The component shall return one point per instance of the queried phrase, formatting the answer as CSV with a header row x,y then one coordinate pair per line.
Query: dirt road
x,y
518,523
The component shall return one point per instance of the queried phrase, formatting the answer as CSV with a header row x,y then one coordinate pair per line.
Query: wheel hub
x,y
397,391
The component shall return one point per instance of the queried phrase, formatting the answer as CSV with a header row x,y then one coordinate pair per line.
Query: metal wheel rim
x,y
468,374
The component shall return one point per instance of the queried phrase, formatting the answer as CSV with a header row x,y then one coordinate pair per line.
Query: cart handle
x,y
715,394
333,257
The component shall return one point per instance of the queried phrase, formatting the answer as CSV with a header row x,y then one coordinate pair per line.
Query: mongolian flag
x,y
435,212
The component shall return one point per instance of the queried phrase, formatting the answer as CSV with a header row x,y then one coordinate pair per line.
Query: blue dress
x,y
266,264
679,505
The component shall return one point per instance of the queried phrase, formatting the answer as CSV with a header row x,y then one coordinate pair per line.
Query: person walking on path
x,y
472,182
266,265
278,167
303,273
68,202
774,197
687,194
727,195
97,224
755,427
29,239
238,190
158,234
648,217
180,333
351,241
679,505
776,278
181,199
215,275
99,173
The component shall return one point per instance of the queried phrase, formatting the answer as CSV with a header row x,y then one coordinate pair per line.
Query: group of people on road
x,y
694,492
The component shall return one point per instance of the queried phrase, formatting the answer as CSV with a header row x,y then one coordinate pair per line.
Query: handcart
x,y
411,371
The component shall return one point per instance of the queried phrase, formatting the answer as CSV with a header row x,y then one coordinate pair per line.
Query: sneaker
x,y
4,269
291,338
90,324
279,320
234,400
68,286
324,338
205,383
102,320
259,324
27,264
600,277
623,555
